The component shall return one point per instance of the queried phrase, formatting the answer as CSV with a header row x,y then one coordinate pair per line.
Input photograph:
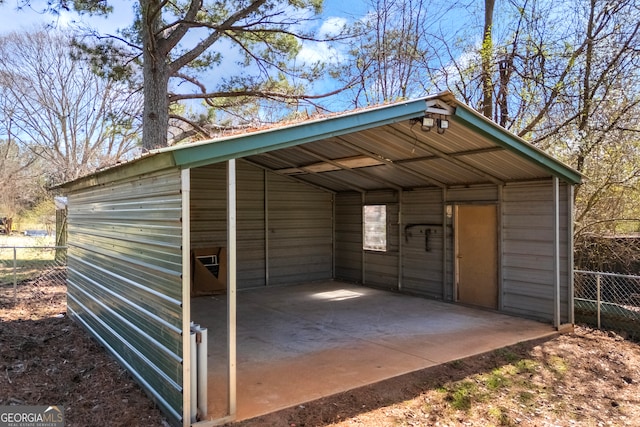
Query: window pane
x,y
375,227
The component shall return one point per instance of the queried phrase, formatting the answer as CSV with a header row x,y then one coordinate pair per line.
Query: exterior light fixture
x,y
427,123
443,124
437,114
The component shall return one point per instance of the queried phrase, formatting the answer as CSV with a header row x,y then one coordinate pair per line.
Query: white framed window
x,y
375,228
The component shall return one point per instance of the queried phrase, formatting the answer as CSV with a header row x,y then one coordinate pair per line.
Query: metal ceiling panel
x,y
349,178
333,183
331,148
455,139
409,157
483,127
507,166
399,176
388,143
445,171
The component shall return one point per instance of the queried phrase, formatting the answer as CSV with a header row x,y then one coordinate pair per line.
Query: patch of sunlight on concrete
x,y
337,295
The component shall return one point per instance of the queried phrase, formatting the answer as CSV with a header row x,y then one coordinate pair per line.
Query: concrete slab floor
x,y
299,343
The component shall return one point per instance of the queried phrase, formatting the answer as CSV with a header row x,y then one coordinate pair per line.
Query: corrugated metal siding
x,y
250,220
209,217
299,224
124,277
450,261
300,228
209,206
478,193
566,267
528,253
422,216
381,268
349,236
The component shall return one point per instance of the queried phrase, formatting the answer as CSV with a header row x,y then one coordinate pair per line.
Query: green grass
x,y
510,379
527,366
497,380
462,395
514,387
501,416
557,365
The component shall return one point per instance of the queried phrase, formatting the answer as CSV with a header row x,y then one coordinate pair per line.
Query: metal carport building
x,y
465,212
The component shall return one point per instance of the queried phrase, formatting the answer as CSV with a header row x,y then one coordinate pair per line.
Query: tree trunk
x,y
155,124
487,60
502,98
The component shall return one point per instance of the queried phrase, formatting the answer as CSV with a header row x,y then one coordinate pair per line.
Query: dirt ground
x,y
589,378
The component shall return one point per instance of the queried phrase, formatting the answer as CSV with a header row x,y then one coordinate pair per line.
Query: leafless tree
x,y
222,53
388,58
563,75
61,110
21,172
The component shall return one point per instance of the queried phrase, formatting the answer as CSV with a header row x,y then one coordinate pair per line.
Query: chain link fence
x,y
31,266
608,300
604,300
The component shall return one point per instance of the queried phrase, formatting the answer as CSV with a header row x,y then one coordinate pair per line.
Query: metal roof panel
x,y
472,150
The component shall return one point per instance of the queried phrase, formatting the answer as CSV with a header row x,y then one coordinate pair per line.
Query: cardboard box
x,y
208,271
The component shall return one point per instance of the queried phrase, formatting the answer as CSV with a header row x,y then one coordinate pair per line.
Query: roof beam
x,y
391,163
458,154
477,151
354,171
348,162
295,178
325,177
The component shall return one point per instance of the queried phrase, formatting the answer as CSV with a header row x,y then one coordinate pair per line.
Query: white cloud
x,y
319,52
30,19
332,26
328,52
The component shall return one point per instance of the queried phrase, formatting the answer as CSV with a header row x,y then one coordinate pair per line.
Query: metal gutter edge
x,y
516,144
144,165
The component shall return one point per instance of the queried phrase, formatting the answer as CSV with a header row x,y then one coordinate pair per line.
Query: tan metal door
x,y
477,255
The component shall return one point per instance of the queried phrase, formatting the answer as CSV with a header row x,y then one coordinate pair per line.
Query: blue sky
x,y
335,14
14,20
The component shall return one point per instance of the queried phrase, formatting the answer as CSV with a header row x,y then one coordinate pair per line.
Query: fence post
x,y
15,276
598,298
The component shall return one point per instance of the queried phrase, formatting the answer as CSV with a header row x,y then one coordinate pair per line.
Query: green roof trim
x,y
511,142
201,154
